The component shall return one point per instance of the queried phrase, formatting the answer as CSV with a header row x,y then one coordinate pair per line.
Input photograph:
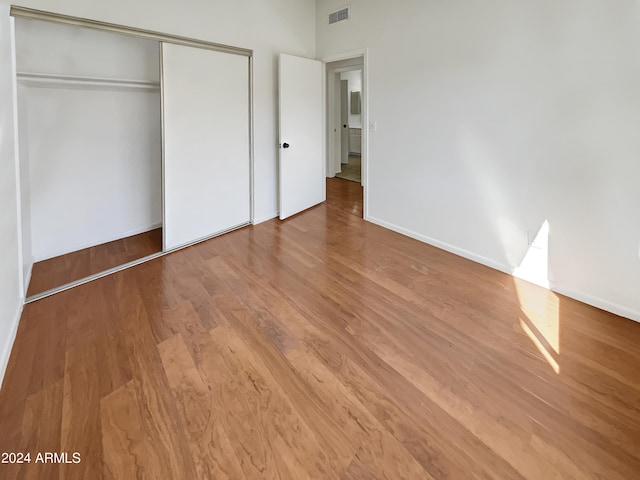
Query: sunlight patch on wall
x,y
534,267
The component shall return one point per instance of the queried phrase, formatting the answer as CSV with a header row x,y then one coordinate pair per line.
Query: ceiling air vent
x,y
339,15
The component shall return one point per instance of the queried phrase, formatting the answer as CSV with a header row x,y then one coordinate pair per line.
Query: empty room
x,y
315,239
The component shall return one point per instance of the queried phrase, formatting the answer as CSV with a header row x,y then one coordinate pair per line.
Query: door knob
x,y
285,145
344,126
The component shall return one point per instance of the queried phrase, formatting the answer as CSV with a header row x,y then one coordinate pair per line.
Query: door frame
x,y
329,101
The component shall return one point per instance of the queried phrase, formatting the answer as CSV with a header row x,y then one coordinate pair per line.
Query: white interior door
x,y
344,122
206,153
302,169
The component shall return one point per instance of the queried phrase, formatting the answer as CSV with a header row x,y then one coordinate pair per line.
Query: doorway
x,y
351,125
346,125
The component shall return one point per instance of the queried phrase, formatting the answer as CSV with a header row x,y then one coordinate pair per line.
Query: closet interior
x,y
130,146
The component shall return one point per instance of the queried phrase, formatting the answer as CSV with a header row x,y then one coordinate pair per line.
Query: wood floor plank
x,y
269,437
158,413
28,371
322,346
307,401
384,456
129,453
267,318
39,436
81,417
210,447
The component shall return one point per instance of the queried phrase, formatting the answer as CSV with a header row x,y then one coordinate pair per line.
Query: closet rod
x,y
22,12
83,80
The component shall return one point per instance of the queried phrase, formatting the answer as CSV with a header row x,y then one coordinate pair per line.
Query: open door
x,y
302,168
344,122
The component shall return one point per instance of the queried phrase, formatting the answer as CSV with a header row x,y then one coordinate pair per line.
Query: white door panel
x,y
206,143
302,168
344,122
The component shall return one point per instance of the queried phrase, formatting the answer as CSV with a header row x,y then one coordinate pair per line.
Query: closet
x,y
131,144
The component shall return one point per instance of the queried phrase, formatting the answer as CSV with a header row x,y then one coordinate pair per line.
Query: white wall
x,y
496,116
11,294
354,79
90,156
269,28
46,47
95,166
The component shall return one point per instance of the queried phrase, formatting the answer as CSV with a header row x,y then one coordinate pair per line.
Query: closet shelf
x,y
78,80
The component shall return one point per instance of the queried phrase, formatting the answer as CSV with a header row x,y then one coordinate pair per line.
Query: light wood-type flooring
x,y
73,266
321,347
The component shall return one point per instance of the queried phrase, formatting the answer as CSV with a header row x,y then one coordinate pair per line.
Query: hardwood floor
x,y
73,266
321,347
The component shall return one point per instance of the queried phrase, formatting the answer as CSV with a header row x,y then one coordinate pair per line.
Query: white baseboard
x,y
6,348
444,246
265,218
597,302
129,233
568,292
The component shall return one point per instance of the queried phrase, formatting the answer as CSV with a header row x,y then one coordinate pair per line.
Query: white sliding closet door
x,y
206,143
